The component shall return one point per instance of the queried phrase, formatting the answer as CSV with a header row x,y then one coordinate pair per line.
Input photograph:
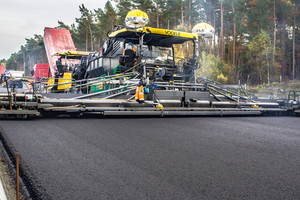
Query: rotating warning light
x,y
136,19
204,29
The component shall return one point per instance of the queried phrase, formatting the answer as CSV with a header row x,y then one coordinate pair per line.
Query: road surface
x,y
159,158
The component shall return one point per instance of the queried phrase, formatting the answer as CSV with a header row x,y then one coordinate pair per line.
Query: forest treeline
x,y
255,41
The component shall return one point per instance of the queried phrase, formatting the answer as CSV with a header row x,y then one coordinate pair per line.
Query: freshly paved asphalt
x,y
160,158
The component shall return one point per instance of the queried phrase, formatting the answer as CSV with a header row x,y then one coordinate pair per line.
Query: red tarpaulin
x,y
57,40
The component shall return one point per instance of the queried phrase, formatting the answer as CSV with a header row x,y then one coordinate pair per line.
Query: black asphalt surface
x,y
160,158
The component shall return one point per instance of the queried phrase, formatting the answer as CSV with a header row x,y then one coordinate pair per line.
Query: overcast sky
x,y
20,19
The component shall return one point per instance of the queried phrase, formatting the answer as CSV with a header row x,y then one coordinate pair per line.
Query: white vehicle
x,y
14,74
14,78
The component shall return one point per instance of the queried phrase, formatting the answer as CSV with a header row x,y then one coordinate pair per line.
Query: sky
x,y
20,19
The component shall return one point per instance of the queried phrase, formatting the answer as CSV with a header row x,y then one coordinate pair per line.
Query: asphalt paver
x,y
159,158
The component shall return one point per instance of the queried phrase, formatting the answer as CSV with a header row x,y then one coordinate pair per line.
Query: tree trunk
x,y
91,35
175,26
30,63
274,48
228,54
99,48
215,33
296,63
24,60
268,66
190,14
260,78
210,44
182,19
259,72
199,46
294,43
283,49
86,40
234,37
157,17
221,47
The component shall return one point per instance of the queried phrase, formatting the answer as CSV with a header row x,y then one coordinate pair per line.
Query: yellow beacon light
x,y
203,29
136,19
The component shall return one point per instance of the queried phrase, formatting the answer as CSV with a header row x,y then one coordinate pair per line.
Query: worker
x,y
139,93
60,67
129,55
58,62
129,46
30,85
